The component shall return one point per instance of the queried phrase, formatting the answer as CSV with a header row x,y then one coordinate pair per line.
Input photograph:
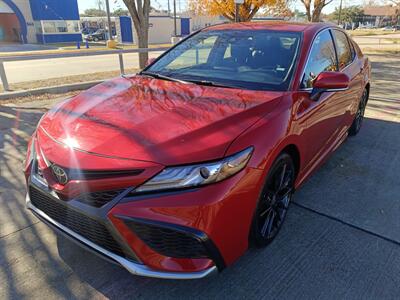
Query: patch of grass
x,y
394,41
43,97
369,51
368,32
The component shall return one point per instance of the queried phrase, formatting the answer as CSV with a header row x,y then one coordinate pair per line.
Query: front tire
x,y
274,201
359,118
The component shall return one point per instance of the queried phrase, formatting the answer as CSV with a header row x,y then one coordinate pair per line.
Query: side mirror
x,y
150,61
329,82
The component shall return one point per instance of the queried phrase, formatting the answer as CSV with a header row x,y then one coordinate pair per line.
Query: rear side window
x,y
322,58
345,53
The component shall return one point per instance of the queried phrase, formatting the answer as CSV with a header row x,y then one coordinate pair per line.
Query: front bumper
x,y
132,267
218,215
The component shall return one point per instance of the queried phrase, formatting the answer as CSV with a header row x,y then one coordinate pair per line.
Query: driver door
x,y
321,118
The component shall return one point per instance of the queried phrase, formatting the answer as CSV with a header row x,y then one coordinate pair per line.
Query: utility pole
x,y
175,29
340,12
169,9
237,9
110,35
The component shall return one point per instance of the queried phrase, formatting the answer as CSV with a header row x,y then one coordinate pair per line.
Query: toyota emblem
x,y
61,175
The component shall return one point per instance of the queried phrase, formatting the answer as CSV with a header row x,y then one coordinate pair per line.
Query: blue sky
x,y
85,4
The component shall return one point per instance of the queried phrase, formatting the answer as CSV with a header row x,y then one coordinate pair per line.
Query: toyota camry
x,y
176,171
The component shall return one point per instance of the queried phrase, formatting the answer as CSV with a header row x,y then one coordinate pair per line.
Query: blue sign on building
x,y
42,21
57,20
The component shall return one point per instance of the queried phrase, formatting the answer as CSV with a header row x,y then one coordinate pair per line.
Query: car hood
x,y
153,120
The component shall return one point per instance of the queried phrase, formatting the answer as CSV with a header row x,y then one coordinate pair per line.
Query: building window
x,y
57,27
38,27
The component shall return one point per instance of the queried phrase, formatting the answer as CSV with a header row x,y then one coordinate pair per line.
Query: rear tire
x,y
359,118
274,201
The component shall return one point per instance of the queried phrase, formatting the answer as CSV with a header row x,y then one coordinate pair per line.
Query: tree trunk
x,y
316,14
307,6
309,19
139,11
143,42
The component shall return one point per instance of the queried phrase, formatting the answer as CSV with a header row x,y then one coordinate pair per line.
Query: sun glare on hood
x,y
71,143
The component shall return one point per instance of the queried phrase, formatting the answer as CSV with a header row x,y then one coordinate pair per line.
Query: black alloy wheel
x,y
274,201
359,118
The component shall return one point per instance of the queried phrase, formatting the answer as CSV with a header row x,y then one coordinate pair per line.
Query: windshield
x,y
249,59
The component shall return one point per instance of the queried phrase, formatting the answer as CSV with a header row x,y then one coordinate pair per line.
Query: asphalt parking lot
x,y
341,238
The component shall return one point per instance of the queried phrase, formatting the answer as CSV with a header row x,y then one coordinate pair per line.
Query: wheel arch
x,y
294,153
368,87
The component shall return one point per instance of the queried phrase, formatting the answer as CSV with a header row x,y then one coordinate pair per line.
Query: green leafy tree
x,y
120,12
94,12
351,14
299,14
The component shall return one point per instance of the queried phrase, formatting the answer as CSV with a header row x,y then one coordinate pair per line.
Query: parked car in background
x,y
88,30
99,35
366,26
176,171
391,28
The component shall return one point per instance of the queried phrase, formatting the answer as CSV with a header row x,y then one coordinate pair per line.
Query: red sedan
x,y
175,171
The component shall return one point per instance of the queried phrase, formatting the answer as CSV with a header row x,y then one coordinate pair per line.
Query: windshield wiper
x,y
211,83
160,76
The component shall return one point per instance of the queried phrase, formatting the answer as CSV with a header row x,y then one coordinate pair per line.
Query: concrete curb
x,y
50,90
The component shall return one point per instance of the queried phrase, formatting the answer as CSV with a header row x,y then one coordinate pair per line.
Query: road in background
x,y
24,71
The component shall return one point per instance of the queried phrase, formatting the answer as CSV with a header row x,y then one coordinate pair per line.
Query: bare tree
x,y
314,15
100,4
281,8
139,11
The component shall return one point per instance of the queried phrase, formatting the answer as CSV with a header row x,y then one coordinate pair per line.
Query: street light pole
x,y
110,35
175,30
340,13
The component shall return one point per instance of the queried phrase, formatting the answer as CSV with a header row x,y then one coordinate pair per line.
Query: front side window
x,y
345,55
249,59
322,58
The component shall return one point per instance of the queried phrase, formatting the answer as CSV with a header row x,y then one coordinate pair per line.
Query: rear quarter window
x,y
344,50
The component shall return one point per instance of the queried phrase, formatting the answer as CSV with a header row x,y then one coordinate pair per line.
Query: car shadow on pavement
x,y
22,248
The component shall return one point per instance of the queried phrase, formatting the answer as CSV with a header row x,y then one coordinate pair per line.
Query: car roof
x,y
272,25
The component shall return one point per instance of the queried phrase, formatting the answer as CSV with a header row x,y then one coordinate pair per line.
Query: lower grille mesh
x,y
168,242
90,229
98,199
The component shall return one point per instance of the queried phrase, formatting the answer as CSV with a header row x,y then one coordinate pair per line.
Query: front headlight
x,y
197,175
